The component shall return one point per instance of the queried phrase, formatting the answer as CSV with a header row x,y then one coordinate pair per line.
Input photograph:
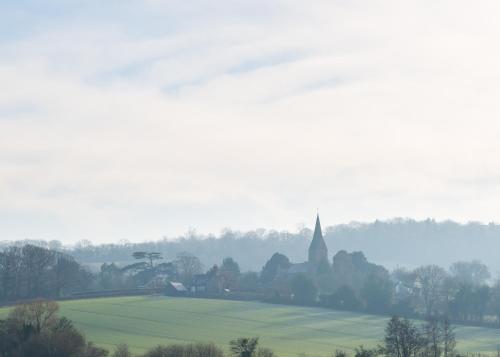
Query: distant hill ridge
x,y
404,242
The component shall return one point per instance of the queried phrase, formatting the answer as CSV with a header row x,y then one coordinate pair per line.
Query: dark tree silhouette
x,y
149,256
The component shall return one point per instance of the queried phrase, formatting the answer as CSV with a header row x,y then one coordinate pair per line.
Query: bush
x,y
244,346
363,352
203,350
265,352
190,350
166,351
34,329
122,351
339,353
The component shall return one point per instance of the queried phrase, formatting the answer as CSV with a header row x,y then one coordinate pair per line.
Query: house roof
x,y
178,286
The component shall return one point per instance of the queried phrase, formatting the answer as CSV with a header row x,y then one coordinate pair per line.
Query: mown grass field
x,y
142,322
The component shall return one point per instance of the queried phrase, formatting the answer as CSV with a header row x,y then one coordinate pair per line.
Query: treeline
x,y
31,271
461,292
352,283
402,242
349,282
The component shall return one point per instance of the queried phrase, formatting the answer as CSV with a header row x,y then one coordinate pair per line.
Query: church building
x,y
317,257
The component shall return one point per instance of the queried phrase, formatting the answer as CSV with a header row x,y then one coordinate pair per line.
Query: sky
x,y
146,119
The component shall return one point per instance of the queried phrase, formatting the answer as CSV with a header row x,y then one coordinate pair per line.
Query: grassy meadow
x,y
142,322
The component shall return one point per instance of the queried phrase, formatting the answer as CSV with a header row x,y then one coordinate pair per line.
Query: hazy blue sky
x,y
138,119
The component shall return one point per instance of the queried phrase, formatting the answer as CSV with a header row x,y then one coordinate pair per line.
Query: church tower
x,y
318,252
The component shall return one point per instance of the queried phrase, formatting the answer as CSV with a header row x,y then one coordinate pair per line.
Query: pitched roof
x,y
318,242
178,286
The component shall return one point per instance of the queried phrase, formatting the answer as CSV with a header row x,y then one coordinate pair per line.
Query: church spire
x,y
318,250
317,229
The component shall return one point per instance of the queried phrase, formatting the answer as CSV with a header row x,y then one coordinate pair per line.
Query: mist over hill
x,y
408,242
396,242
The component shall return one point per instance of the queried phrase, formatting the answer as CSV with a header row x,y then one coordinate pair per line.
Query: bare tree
x,y
36,262
473,272
40,314
431,279
187,266
33,272
402,338
448,337
68,273
434,336
495,300
11,268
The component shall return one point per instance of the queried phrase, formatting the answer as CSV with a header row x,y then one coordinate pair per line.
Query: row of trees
x,y
183,269
462,292
404,338
30,271
351,282
404,242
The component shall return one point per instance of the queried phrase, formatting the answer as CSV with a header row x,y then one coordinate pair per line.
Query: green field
x,y
142,322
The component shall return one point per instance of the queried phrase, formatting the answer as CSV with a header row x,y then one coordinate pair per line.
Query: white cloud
x,y
152,119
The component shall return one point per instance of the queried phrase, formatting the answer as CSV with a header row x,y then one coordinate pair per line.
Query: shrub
x,y
265,352
339,353
190,350
122,351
